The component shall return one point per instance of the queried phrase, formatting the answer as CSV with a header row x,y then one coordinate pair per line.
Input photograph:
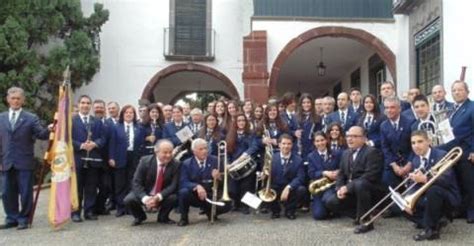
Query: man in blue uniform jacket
x,y
347,118
287,178
441,198
18,131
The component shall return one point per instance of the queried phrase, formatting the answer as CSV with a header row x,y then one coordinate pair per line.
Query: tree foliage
x,y
38,39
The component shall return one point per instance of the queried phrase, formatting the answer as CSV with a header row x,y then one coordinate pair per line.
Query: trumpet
x,y
221,160
408,202
267,194
320,185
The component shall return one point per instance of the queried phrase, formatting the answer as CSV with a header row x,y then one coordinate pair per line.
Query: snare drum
x,y
242,169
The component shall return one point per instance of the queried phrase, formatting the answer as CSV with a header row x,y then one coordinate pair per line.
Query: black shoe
x,y
388,214
120,214
428,234
90,216
356,222
275,215
76,218
202,212
166,221
236,209
418,226
245,210
363,228
137,222
290,216
183,222
470,220
8,226
22,226
264,210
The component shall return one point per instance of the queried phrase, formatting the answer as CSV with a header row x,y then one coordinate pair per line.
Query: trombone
x,y
221,160
267,194
409,201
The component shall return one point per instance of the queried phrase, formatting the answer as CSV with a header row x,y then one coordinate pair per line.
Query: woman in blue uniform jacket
x,y
308,123
127,138
335,136
153,128
212,133
322,162
371,119
241,142
274,124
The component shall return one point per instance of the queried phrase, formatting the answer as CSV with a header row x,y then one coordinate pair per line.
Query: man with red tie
x,y
154,185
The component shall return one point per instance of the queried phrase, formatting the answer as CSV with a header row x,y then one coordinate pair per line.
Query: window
x,y
428,64
355,79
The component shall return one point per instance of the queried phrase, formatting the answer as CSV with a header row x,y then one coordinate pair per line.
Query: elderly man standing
x,y
18,131
154,184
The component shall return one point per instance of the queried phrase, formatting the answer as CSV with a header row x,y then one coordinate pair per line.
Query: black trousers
x,y
135,206
465,174
121,189
187,198
431,207
356,204
295,197
87,184
105,188
238,188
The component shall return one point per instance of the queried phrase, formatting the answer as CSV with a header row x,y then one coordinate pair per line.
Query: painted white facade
x,y
132,44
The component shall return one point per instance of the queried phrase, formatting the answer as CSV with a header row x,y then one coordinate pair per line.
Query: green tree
x,y
38,39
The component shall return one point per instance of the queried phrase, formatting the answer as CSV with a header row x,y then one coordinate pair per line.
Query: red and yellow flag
x,y
63,197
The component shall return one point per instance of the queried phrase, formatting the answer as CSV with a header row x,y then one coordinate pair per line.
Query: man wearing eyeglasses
x,y
358,181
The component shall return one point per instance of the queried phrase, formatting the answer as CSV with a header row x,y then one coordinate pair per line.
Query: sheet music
x,y
446,131
251,200
184,134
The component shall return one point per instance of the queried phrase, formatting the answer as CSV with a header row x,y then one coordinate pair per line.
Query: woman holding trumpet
x,y
153,128
323,163
241,144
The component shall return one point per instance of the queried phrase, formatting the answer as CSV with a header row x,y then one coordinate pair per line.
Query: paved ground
x,y
231,229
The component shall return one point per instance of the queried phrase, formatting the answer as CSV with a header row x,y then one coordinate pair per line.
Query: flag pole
x,y
46,164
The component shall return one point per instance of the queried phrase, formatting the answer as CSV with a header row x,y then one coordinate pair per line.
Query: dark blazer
x,y
192,175
351,119
119,143
292,175
145,177
359,111
425,127
18,143
246,143
147,131
462,122
170,130
404,105
444,105
396,145
447,180
79,136
316,164
409,114
367,166
309,128
373,130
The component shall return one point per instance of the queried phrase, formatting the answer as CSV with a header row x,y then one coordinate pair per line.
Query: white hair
x,y
198,142
14,90
160,143
196,111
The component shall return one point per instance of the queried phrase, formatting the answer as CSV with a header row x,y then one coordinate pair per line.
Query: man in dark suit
x,y
356,101
387,89
462,123
171,128
347,118
439,97
441,198
410,112
395,135
88,139
358,180
18,131
195,123
287,179
155,184
196,181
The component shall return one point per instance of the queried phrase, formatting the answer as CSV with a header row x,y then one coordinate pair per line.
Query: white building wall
x,y
132,45
458,48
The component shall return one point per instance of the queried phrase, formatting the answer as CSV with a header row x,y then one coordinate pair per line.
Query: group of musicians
x,y
127,161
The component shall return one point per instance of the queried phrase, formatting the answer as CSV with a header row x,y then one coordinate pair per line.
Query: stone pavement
x,y
231,229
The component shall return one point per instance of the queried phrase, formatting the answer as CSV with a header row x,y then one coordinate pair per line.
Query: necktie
x,y
437,107
368,122
159,179
13,119
423,163
324,156
343,118
127,132
85,120
334,146
395,126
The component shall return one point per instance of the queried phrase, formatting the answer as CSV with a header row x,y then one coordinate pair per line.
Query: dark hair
x,y
376,110
341,139
99,101
84,96
226,119
420,98
215,132
285,136
265,122
231,138
288,98
122,113
321,133
354,89
312,114
178,107
161,119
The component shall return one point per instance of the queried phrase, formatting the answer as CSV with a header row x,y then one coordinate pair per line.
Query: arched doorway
x,y
171,82
358,35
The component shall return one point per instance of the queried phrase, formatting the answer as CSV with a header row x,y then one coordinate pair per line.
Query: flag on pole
x,y
63,197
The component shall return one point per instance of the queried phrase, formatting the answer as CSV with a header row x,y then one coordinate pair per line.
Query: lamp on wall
x,y
321,67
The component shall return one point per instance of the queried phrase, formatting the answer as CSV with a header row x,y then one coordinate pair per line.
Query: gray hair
x,y
160,143
114,103
196,111
393,99
14,90
198,142
330,99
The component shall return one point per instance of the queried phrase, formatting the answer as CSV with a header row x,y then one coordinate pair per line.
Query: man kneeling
x,y
154,185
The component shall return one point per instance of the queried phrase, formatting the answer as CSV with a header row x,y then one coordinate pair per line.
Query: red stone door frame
x,y
255,73
147,93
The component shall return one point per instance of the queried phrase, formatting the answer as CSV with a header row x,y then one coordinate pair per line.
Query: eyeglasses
x,y
354,136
